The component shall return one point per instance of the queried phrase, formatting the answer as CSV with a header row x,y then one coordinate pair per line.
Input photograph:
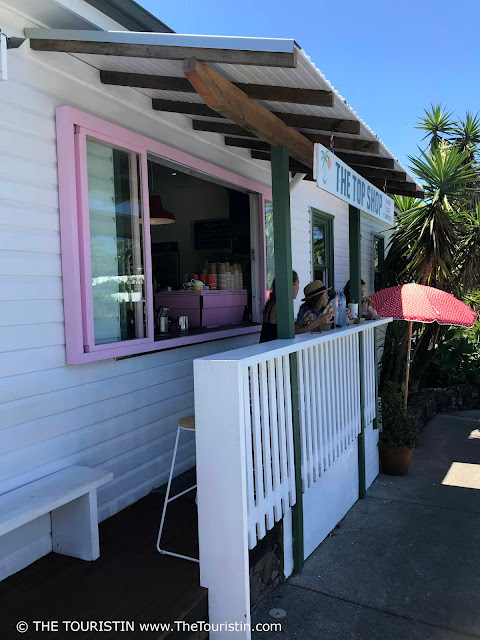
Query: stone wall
x,y
266,563
424,404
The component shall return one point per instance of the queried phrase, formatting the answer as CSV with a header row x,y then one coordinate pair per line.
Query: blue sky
x,y
389,58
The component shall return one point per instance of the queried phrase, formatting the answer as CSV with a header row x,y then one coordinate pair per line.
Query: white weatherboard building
x,y
84,378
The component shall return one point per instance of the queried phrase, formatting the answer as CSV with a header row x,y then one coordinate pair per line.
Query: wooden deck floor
x,y
130,581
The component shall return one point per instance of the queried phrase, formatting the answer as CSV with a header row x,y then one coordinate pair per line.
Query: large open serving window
x,y
118,268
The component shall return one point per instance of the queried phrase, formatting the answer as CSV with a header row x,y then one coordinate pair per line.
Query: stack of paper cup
x,y
221,276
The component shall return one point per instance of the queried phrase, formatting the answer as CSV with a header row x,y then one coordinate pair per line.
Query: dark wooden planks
x,y
130,580
293,95
134,50
290,119
350,144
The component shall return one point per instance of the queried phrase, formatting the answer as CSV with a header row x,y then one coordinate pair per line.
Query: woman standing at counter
x,y
269,326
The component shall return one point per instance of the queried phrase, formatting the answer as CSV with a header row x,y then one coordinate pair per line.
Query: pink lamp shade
x,y
158,215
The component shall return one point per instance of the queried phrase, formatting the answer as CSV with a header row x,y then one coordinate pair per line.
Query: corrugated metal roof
x,y
131,15
305,75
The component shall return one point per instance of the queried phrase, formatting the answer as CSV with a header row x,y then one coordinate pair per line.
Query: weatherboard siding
x,y
116,415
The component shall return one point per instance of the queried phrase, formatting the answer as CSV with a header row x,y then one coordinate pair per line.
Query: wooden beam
x,y
290,119
134,50
350,144
400,188
320,123
189,108
395,184
221,96
366,161
226,128
382,174
248,143
293,95
257,145
369,160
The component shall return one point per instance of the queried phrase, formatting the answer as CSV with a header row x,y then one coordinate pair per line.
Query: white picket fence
x,y
245,454
268,445
329,402
369,364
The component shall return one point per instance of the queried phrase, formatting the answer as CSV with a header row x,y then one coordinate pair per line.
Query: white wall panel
x,y
121,414
304,196
371,454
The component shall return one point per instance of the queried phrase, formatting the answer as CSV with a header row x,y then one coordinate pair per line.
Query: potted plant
x,y
399,434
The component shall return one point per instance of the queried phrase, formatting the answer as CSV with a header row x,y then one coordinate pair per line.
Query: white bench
x,y
70,496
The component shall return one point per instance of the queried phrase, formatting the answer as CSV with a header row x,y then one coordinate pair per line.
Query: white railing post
x,y
222,492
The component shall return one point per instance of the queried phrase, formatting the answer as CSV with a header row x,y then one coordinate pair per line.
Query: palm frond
x,y
436,123
466,133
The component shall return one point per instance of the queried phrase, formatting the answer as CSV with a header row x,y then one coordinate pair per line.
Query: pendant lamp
x,y
158,215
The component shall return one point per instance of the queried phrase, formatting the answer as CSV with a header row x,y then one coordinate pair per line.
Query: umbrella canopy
x,y
419,303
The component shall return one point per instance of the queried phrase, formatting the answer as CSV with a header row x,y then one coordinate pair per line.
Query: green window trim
x,y
325,220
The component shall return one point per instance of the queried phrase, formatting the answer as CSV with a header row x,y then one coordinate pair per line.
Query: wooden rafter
x,y
223,97
393,186
349,158
382,174
166,52
246,143
401,188
291,119
293,95
349,144
365,160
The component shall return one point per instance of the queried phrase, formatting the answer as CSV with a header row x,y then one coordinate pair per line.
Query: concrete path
x,y
404,563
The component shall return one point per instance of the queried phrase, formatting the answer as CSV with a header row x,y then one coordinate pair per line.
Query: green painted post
x,y
356,295
285,325
282,238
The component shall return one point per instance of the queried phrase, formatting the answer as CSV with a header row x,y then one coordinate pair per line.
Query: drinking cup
x,y
353,306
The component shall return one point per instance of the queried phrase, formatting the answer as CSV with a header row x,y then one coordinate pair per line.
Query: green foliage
x,y
466,133
436,242
436,123
457,359
398,428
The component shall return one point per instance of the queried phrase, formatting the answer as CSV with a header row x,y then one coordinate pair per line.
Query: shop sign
x,y
336,177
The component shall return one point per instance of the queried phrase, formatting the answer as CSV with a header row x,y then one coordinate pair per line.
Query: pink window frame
x,y
72,128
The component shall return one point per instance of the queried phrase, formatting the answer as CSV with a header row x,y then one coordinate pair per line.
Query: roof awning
x,y
273,73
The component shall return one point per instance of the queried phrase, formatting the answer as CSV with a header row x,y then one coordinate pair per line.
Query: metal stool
x,y
186,423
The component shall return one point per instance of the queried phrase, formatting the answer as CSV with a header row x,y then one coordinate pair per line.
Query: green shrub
x,y
399,429
457,360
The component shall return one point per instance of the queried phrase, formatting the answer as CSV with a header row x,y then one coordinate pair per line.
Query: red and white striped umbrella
x,y
419,303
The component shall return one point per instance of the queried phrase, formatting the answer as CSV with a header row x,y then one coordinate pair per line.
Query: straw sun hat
x,y
313,289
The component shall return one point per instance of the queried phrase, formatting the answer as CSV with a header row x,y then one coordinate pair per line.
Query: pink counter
x,y
204,308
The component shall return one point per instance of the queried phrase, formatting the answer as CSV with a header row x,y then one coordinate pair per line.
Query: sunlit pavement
x,y
405,562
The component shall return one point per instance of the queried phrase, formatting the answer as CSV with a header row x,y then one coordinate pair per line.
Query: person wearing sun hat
x,y
314,312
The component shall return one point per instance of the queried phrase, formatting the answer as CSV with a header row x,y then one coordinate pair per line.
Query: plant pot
x,y
395,460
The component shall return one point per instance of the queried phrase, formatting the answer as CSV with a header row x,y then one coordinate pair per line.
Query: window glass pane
x,y
319,243
270,249
322,250
118,275
376,251
378,258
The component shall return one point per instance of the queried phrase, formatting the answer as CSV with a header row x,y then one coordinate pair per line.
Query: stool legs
x,y
170,499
